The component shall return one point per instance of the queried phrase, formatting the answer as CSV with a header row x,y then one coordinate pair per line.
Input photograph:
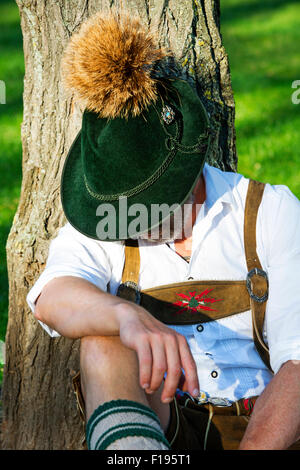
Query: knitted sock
x,y
125,425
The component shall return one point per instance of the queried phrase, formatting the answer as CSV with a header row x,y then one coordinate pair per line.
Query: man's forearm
x,y
275,423
75,308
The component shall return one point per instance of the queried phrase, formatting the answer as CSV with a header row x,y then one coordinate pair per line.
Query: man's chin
x,y
146,237
172,229
158,240
162,238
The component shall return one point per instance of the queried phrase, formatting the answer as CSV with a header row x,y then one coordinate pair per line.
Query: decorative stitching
x,y
132,432
173,145
140,187
117,406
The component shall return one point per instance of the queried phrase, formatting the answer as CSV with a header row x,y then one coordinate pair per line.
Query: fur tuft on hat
x,y
108,62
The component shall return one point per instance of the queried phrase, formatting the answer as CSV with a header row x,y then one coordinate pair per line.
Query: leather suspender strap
x,y
128,288
253,200
257,280
132,262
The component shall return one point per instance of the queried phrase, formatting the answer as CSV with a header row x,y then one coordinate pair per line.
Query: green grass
x,y
11,72
262,40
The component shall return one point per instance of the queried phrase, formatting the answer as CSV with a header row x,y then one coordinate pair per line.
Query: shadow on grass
x,y
279,116
242,9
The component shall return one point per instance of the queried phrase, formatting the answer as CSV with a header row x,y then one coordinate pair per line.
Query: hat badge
x,y
168,114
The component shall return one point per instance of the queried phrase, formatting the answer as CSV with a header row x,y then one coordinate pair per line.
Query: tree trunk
x,y
39,409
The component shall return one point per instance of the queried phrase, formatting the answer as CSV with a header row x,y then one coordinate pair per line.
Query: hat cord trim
x,y
149,181
139,188
173,145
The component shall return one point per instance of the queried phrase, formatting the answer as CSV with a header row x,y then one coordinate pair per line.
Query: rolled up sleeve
x,y
282,213
72,254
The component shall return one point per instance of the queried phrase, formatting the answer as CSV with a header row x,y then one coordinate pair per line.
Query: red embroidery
x,y
194,303
248,404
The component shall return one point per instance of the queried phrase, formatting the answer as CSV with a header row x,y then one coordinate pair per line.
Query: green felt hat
x,y
152,158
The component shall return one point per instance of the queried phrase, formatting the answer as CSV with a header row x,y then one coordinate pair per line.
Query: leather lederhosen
x,y
173,304
211,300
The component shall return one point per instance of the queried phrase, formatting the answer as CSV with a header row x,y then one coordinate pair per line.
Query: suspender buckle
x,y
129,290
259,272
203,399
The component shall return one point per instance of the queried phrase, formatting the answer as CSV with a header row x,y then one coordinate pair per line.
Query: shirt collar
x,y
217,187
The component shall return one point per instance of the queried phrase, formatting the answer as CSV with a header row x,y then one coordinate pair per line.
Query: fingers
x,y
161,353
144,354
160,350
179,357
174,371
159,365
189,366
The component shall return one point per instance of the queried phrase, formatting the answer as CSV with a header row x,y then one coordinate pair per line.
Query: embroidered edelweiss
x,y
194,303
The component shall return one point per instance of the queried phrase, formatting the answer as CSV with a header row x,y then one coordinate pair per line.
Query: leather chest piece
x,y
203,301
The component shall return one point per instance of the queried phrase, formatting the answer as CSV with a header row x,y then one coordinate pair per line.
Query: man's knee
x,y
109,371
103,352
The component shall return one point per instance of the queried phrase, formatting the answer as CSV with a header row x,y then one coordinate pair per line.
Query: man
x,y
143,143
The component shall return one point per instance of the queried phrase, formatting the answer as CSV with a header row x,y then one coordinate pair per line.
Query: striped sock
x,y
125,425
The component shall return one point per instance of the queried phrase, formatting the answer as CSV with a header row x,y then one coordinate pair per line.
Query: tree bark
x,y
39,409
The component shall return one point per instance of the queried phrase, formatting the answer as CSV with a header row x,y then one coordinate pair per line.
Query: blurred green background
x,y
12,73
262,39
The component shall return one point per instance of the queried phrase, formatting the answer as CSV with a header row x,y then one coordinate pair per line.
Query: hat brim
x,y
81,208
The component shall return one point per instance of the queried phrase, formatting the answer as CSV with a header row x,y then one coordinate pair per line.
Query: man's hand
x,y
75,308
160,350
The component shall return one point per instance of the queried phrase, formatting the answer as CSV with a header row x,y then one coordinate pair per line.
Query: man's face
x,y
180,224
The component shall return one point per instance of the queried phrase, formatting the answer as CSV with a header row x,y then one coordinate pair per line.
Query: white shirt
x,y
228,364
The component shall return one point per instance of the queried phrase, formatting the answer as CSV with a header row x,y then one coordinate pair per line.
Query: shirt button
x,y
214,374
200,328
